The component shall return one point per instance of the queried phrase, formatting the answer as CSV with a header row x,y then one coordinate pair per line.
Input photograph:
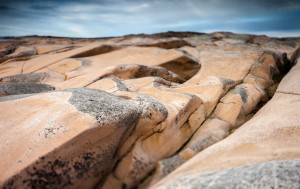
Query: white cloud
x,y
78,30
137,8
181,24
79,8
279,33
115,17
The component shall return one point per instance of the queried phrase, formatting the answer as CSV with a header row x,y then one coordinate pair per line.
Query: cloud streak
x,y
101,18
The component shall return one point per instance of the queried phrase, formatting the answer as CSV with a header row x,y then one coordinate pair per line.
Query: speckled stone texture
x,y
274,174
15,89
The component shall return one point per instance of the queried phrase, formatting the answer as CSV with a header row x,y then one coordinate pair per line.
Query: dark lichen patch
x,y
84,61
120,85
10,184
205,142
57,172
188,55
140,166
27,53
274,174
54,174
151,107
242,92
91,164
104,107
227,83
51,131
34,78
171,163
24,88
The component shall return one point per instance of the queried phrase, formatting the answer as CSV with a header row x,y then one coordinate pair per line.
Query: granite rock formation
x,y
168,110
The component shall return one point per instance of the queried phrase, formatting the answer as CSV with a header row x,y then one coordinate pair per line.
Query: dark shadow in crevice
x,y
96,51
184,67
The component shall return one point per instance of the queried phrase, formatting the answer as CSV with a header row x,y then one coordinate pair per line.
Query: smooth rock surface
x,y
170,109
272,134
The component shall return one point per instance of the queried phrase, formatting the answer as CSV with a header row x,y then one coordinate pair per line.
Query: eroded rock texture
x,y
169,110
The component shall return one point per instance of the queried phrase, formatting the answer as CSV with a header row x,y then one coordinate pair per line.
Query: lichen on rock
x,y
167,110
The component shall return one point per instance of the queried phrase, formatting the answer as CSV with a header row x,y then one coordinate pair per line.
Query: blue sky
x,y
103,18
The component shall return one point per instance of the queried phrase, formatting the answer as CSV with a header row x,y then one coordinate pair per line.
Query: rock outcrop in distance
x,y
168,110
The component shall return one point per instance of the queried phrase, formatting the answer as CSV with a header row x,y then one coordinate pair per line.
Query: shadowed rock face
x,y
169,110
72,141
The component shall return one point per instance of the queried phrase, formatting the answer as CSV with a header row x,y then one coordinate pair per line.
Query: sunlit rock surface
x,y
168,110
